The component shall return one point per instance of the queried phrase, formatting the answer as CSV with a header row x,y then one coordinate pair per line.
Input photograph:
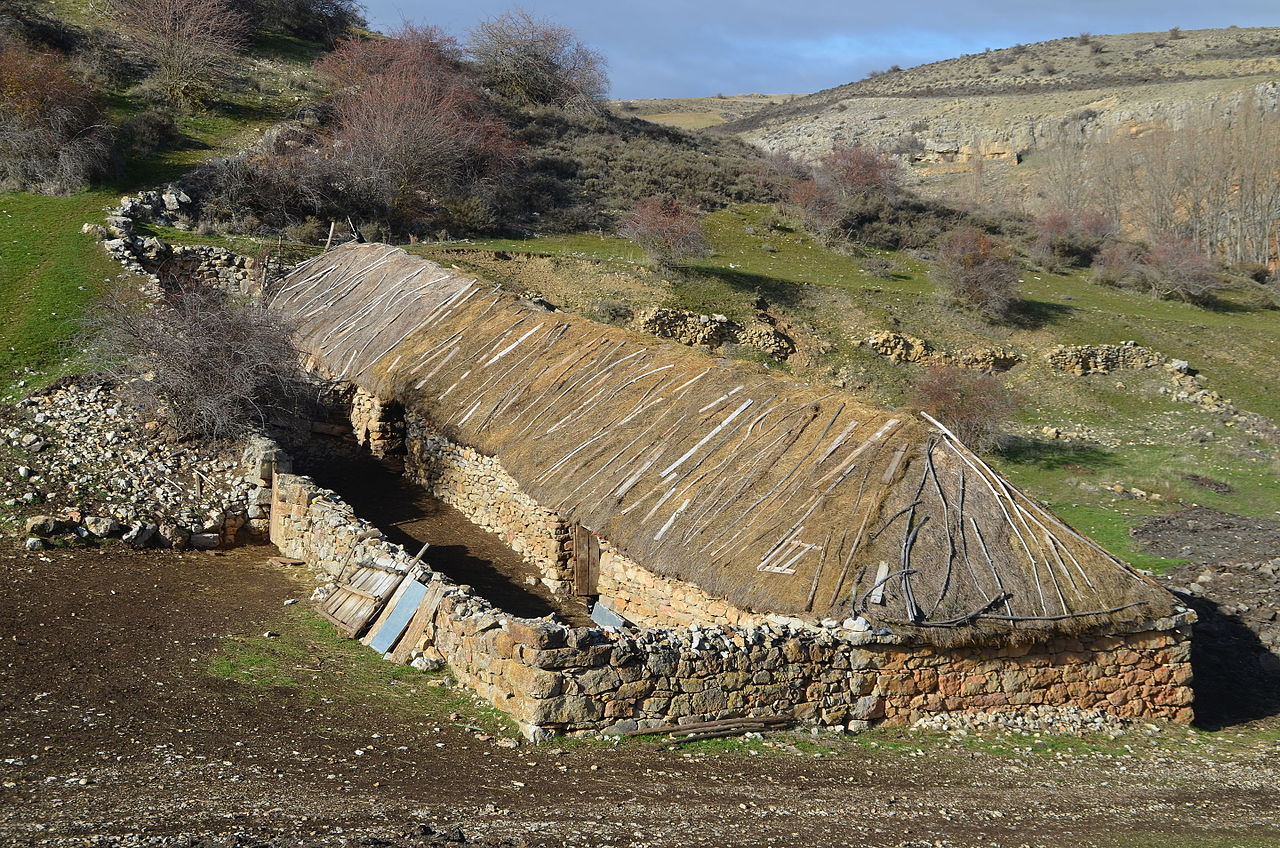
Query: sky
x,y
699,48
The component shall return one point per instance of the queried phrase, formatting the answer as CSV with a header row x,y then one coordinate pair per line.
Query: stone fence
x,y
554,679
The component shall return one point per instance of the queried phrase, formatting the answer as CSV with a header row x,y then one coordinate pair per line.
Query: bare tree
x,y
205,364
191,43
535,62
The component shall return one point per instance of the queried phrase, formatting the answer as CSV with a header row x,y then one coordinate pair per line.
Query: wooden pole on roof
x,y
333,225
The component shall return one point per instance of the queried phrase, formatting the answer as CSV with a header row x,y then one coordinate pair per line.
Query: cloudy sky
x,y
689,48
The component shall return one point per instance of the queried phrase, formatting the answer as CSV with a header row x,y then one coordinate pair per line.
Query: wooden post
x,y
586,561
329,241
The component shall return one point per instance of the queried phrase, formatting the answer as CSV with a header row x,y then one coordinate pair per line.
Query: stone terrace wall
x,y
651,600
552,679
478,487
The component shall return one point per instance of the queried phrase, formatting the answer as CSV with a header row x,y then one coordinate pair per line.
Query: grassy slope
x,y
50,272
1147,440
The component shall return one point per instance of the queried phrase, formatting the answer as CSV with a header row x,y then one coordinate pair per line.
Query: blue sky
x,y
668,48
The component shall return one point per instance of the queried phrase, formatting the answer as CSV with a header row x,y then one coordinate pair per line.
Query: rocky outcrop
x,y
690,328
900,348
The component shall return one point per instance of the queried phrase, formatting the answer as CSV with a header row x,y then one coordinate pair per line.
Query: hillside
x,y
1002,104
696,113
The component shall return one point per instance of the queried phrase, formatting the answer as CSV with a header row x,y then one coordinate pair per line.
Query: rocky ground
x,y
1233,583
165,698
76,456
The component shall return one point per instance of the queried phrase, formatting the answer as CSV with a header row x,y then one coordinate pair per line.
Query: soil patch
x,y
141,704
1206,535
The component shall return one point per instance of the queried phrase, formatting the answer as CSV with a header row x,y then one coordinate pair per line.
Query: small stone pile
x,y
1188,386
1041,718
900,348
98,470
690,328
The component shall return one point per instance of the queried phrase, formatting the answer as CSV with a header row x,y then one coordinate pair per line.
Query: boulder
x,y
102,527
42,525
173,535
138,535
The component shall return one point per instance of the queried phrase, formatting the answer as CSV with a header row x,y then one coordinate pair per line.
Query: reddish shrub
x,y
973,405
421,50
1070,237
666,230
977,272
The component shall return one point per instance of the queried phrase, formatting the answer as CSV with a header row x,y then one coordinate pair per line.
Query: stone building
x,y
802,550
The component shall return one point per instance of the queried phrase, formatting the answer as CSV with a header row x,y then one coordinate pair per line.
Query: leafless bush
x,y
535,62
977,272
1070,237
973,405
668,232
191,44
850,170
52,135
205,364
1176,269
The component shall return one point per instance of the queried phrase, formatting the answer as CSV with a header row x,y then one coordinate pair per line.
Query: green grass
x,y
310,660
49,274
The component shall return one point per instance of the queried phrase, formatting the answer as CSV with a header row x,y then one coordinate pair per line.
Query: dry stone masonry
x,y
899,348
554,679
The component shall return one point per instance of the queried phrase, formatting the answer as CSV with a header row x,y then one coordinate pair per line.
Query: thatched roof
x,y
781,496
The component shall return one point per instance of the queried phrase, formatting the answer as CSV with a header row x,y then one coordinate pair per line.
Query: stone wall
x,y
478,487
650,600
553,679
241,276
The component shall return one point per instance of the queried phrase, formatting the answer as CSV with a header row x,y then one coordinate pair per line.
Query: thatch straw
x,y
780,496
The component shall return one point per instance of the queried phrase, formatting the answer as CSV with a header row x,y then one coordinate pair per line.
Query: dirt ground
x,y
142,704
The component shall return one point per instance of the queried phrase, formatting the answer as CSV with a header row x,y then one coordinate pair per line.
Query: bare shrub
x,y
1070,237
1176,269
1119,265
358,61
535,62
668,232
977,272
414,136
52,135
205,364
854,170
973,405
191,44
1172,268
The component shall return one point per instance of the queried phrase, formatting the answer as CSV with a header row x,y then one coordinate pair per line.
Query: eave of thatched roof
x,y
780,496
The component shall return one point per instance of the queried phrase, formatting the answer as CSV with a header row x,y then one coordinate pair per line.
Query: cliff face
x,y
935,130
1002,104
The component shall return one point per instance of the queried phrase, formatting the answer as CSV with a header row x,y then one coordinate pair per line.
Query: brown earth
x,y
119,729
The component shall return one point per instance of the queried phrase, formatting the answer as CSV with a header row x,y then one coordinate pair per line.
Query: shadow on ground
x,y
462,551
